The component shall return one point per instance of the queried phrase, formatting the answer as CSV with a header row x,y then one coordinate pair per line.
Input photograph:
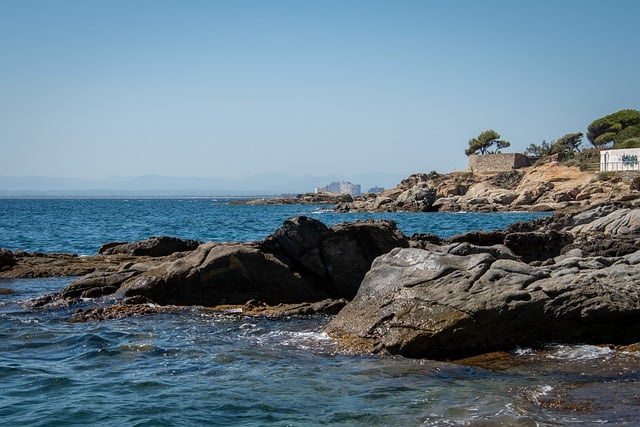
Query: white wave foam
x,y
538,392
299,340
579,352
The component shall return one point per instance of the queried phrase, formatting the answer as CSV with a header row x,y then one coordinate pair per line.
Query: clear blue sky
x,y
235,88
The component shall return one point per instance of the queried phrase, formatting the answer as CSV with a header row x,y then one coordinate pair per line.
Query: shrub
x,y
606,176
508,179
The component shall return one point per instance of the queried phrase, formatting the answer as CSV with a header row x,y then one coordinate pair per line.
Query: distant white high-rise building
x,y
341,188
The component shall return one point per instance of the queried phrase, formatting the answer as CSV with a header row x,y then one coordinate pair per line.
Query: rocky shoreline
x,y
321,198
570,278
550,187
578,284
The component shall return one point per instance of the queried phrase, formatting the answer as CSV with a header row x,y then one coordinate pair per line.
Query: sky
x,y
190,88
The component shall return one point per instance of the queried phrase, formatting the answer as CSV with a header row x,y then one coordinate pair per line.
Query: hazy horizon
x,y
261,185
232,89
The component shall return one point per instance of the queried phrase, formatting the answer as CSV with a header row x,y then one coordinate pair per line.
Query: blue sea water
x,y
197,367
82,225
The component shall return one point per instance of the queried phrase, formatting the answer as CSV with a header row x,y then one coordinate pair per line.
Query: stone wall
x,y
497,162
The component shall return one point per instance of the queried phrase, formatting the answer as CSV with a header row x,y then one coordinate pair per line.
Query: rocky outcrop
x,y
139,306
217,274
156,246
320,198
34,264
549,187
339,255
419,198
303,261
463,299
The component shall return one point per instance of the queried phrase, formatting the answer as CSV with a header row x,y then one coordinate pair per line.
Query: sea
x,y
195,367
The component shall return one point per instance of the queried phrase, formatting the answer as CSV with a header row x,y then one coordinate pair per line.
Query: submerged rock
x,y
139,306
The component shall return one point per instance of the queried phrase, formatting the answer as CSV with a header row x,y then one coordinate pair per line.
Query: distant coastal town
x,y
345,187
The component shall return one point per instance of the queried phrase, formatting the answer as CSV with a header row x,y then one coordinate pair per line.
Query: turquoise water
x,y
196,367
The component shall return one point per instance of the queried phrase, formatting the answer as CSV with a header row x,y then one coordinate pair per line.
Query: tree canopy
x,y
566,144
488,142
614,128
569,143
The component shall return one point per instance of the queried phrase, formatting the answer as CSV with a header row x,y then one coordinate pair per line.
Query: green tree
x,y
488,142
567,144
542,150
628,137
607,129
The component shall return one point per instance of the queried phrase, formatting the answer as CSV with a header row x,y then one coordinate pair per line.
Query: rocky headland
x,y
550,187
544,188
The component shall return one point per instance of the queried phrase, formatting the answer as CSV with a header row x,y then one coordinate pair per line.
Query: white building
x,y
341,188
623,159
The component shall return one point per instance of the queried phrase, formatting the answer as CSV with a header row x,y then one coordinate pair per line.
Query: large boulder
x,y
419,198
302,261
529,195
419,303
218,274
300,239
616,222
350,249
339,255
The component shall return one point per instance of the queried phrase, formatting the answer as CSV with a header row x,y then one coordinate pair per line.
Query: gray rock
x,y
382,201
502,197
341,255
419,198
218,274
633,258
619,222
537,246
156,246
423,304
303,261
592,214
300,239
97,284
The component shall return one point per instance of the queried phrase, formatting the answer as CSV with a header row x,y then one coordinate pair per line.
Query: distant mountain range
x,y
156,185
